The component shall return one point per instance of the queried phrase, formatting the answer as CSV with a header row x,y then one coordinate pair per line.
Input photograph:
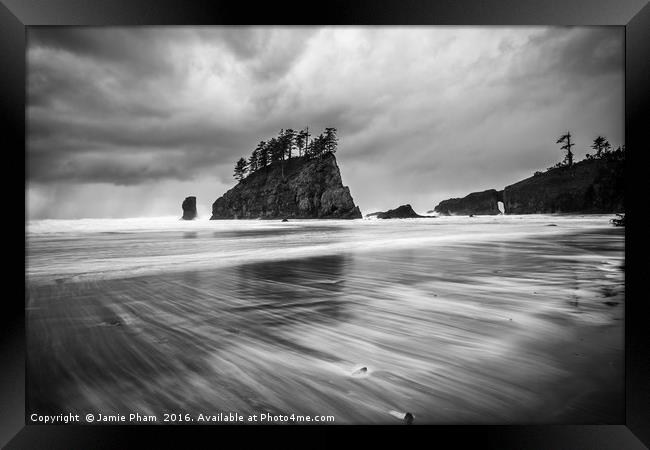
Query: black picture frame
x,y
634,15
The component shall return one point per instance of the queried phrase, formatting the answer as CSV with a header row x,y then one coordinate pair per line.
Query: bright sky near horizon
x,y
126,122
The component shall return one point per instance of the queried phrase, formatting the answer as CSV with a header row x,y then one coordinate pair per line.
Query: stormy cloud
x,y
129,121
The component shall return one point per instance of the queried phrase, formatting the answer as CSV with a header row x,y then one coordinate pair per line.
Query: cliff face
x,y
590,186
483,203
402,212
300,188
189,208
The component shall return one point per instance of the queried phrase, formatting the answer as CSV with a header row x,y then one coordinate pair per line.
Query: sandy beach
x,y
455,320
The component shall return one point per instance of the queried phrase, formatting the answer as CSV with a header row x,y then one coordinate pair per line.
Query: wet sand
x,y
519,330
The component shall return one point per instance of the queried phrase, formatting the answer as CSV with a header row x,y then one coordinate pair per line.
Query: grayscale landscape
x,y
387,225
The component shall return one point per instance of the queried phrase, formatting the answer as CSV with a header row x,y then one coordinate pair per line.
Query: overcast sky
x,y
126,122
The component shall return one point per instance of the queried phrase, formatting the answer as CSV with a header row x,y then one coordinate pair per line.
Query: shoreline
x,y
209,255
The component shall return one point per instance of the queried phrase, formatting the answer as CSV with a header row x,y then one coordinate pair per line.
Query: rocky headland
x,y
588,186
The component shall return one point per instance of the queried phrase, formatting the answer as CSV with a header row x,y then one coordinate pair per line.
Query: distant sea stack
x,y
589,186
479,203
189,208
401,212
297,188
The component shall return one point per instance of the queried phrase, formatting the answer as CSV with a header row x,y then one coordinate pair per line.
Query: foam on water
x,y
113,248
163,223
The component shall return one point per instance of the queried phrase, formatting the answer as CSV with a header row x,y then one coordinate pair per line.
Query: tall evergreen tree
x,y
274,150
289,141
566,139
263,154
309,150
253,161
279,150
331,141
601,145
301,138
240,169
318,146
306,138
280,142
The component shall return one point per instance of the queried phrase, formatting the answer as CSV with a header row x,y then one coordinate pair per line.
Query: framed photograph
x,y
387,217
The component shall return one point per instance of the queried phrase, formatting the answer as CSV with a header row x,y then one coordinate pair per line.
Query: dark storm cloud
x,y
138,50
116,90
450,109
269,51
583,52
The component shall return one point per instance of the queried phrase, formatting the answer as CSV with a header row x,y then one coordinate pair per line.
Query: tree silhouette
x,y
330,141
262,155
318,146
253,161
240,169
566,139
288,141
601,145
279,149
280,144
283,147
301,141
275,150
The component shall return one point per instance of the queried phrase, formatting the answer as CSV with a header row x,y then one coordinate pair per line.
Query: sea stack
x,y
189,208
297,188
476,203
401,212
